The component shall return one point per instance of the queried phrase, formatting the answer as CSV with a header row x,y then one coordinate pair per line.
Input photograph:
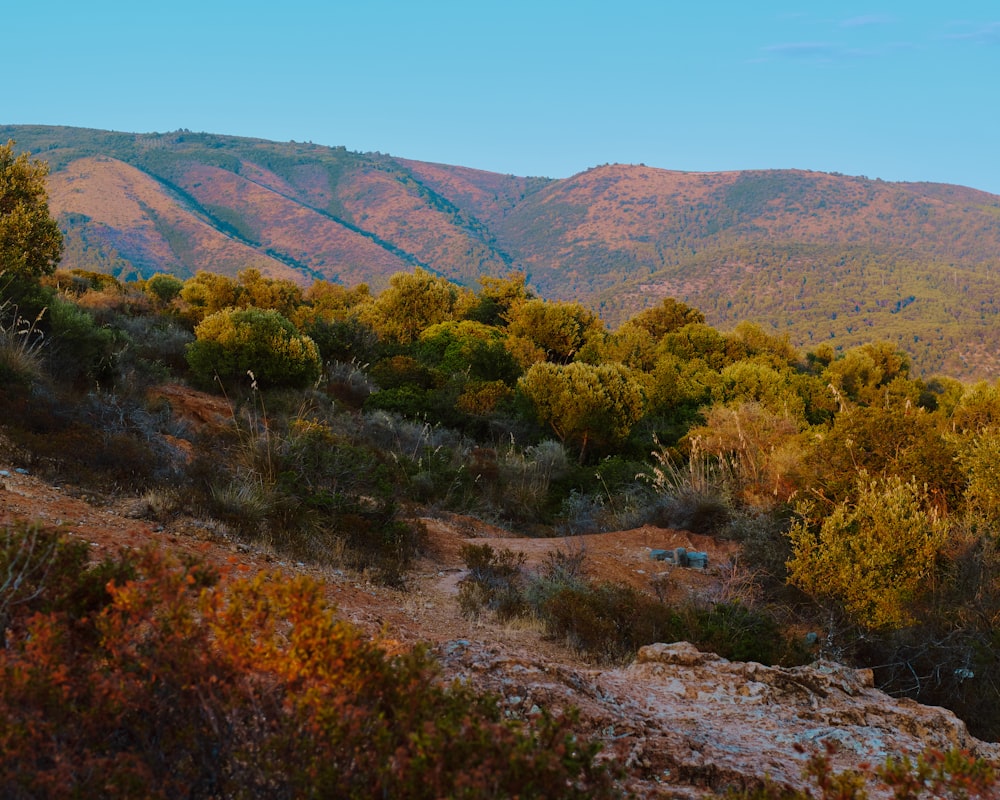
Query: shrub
x,y
231,343
304,490
955,775
697,496
163,288
608,622
875,555
494,583
79,351
94,442
164,684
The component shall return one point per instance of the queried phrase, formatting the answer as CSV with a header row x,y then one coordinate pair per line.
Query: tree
x,y
671,315
208,292
583,402
30,240
498,296
233,342
897,441
163,288
262,292
705,342
875,555
865,373
545,331
752,381
414,301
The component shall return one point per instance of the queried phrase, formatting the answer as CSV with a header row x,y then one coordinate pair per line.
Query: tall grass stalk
x,y
21,342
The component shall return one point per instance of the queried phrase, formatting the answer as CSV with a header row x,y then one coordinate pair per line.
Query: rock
x,y
682,721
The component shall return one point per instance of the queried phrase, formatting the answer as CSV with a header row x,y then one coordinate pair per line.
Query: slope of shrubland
x,y
380,442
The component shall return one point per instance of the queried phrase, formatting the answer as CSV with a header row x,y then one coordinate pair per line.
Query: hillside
x,y
681,723
823,258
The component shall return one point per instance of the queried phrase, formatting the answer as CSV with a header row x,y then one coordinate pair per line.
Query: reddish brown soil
x,y
425,610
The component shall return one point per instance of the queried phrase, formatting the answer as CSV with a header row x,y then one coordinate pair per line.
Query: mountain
x,y
821,257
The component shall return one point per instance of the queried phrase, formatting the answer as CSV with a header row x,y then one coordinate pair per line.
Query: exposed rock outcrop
x,y
685,722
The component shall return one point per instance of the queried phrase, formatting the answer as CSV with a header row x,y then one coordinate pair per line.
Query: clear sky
x,y
893,90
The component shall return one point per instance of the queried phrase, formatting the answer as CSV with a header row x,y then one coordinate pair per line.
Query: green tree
x,y
671,315
750,381
978,408
585,403
30,241
865,373
414,301
982,466
232,342
703,342
544,331
900,441
163,288
875,555
498,297
262,292
631,345
207,292
762,346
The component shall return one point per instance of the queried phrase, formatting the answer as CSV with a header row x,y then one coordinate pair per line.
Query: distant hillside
x,y
821,257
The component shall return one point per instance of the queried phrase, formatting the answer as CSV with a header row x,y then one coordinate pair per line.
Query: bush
x,y
495,582
954,775
79,350
231,343
876,555
161,684
609,622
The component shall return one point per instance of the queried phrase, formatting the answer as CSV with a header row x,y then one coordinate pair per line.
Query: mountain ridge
x,y
819,256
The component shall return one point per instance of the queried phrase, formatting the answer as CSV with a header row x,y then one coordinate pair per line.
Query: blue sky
x,y
894,90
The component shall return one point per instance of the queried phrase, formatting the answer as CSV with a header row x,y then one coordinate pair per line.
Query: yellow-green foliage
x,y
545,331
163,288
875,553
870,372
233,342
583,402
208,292
670,315
413,302
982,464
30,241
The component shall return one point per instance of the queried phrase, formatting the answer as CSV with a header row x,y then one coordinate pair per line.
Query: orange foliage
x,y
166,683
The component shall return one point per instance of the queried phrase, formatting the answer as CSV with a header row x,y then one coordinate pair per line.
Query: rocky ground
x,y
684,723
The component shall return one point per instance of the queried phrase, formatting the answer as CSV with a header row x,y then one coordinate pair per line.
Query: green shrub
x,y
163,288
79,350
231,343
875,555
608,622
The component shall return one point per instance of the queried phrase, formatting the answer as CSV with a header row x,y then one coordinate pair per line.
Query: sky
x,y
902,91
